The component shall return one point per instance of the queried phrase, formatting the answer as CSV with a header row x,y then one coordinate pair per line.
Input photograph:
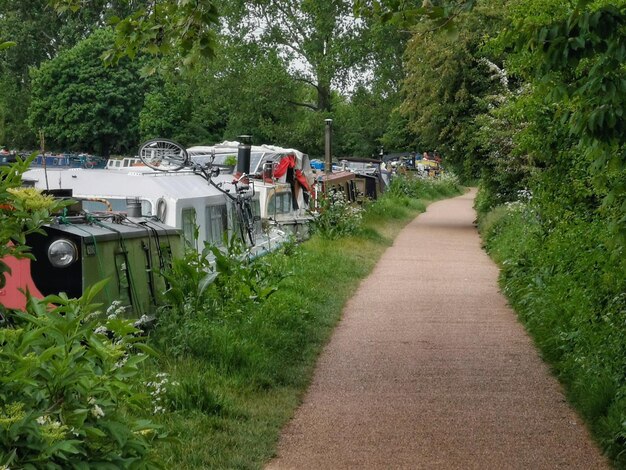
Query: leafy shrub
x,y
207,285
22,212
415,187
67,388
338,217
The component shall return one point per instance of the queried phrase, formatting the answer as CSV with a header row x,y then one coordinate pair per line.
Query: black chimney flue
x,y
243,155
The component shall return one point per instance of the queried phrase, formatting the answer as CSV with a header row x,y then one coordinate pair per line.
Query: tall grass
x,y
570,292
244,366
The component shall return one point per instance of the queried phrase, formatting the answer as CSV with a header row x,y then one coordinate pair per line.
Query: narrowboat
x,y
180,199
77,250
282,177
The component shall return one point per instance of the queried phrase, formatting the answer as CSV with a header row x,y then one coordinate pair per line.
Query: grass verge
x,y
244,369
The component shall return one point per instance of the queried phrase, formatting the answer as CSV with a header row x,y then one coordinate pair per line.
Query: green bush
x,y
22,212
338,217
207,286
68,388
415,187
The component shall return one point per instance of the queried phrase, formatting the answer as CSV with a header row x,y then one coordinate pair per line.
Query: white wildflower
x,y
144,319
121,362
524,195
497,73
93,315
101,330
115,309
97,412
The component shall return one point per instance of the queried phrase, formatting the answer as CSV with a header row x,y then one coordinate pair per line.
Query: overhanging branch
x,y
304,105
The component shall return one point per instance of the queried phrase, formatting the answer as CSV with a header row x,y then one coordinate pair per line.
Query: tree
x,y
244,90
360,123
80,104
406,14
446,86
322,42
39,33
577,51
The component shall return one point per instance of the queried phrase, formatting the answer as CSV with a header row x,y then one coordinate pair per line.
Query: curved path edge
x,y
429,368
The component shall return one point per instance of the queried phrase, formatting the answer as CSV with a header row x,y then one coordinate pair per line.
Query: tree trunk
x,y
323,96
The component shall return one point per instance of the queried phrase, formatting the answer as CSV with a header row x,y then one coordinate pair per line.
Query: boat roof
x,y
258,154
106,229
127,184
336,176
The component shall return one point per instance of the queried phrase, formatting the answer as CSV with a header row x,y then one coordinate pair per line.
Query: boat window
x,y
279,203
146,207
217,224
188,218
118,205
255,161
256,212
126,162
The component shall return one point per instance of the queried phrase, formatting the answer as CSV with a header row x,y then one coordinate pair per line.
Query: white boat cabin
x,y
180,199
282,177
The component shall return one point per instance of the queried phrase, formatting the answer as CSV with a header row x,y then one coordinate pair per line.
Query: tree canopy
x,y
81,105
321,41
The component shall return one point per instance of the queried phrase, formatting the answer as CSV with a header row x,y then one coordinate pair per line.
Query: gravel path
x,y
429,368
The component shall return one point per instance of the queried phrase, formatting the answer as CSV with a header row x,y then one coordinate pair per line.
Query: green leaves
x,y
7,44
576,59
406,14
79,103
67,392
22,212
160,29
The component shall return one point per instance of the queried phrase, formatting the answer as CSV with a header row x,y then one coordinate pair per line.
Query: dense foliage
x,y
79,104
67,388
553,180
68,374
208,83
569,289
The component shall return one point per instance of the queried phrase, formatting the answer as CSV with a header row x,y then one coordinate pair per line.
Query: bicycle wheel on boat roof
x,y
163,155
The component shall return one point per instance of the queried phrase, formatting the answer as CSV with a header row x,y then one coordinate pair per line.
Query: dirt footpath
x,y
429,368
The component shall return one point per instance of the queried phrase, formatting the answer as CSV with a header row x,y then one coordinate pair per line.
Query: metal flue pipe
x,y
243,154
328,162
